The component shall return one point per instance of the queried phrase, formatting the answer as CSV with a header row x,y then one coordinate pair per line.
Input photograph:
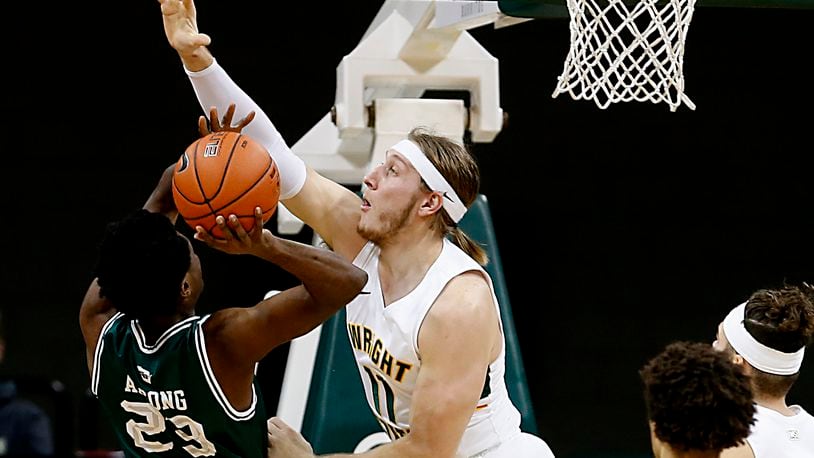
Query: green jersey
x,y
163,399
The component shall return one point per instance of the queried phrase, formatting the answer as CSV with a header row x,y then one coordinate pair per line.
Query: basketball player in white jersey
x,y
426,330
767,335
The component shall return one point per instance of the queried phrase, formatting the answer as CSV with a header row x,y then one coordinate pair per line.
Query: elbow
x,y
357,279
341,289
360,279
350,285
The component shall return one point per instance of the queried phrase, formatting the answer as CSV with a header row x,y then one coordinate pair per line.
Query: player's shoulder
x,y
219,320
461,314
469,281
466,293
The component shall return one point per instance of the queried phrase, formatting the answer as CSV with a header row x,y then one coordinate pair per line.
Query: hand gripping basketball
x,y
235,240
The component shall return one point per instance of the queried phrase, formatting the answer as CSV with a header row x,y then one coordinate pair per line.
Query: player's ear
x,y
186,289
739,361
432,203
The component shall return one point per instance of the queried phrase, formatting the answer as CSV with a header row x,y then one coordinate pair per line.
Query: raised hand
x,y
207,126
181,27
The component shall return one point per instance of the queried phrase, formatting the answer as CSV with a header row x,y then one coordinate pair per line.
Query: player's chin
x,y
361,226
367,230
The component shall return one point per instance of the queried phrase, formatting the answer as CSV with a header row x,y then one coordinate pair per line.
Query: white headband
x,y
758,355
452,204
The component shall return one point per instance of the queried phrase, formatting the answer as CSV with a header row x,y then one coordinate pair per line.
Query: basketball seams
x,y
185,165
245,191
181,193
198,176
226,167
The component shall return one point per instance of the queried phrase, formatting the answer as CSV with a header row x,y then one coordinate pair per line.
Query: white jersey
x,y
775,435
385,343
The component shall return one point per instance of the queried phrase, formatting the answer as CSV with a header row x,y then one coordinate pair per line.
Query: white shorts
x,y
523,445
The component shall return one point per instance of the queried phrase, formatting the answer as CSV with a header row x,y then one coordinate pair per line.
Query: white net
x,y
622,53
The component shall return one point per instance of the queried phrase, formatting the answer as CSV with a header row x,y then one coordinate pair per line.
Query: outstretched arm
x,y
96,310
216,90
330,209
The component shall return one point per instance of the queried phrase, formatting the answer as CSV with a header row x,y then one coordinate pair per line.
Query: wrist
x,y
269,247
197,60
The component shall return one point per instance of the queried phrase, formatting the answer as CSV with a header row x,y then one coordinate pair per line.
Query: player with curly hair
x,y
698,401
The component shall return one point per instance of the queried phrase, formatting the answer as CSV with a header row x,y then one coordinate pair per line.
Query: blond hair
x,y
459,168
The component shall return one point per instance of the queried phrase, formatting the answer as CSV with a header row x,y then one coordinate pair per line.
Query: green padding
x,y
551,8
337,416
478,225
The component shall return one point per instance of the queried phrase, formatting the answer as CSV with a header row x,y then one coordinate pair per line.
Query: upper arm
x,y
450,382
237,338
332,210
246,335
94,313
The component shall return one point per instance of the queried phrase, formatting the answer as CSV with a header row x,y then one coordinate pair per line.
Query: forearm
x,y
214,87
331,280
161,201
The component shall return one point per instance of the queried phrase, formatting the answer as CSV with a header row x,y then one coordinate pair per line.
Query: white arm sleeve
x,y
214,87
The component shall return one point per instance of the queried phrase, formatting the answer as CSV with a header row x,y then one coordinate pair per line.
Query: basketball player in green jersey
x,y
175,384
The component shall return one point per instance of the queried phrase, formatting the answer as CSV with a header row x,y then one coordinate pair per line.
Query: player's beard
x,y
390,222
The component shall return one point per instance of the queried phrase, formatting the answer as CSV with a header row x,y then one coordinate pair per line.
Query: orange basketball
x,y
225,173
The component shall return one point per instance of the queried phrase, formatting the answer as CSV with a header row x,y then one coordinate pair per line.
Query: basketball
x,y
225,173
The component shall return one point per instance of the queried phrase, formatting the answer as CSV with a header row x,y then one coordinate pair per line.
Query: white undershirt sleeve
x,y
214,87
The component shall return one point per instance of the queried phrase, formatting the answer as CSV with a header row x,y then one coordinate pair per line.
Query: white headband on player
x,y
758,355
452,204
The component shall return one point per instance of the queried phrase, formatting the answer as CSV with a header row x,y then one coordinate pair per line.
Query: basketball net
x,y
622,53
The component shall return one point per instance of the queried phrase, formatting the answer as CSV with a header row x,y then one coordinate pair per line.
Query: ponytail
x,y
469,246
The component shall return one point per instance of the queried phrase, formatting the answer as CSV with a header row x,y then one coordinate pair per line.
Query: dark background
x,y
620,230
